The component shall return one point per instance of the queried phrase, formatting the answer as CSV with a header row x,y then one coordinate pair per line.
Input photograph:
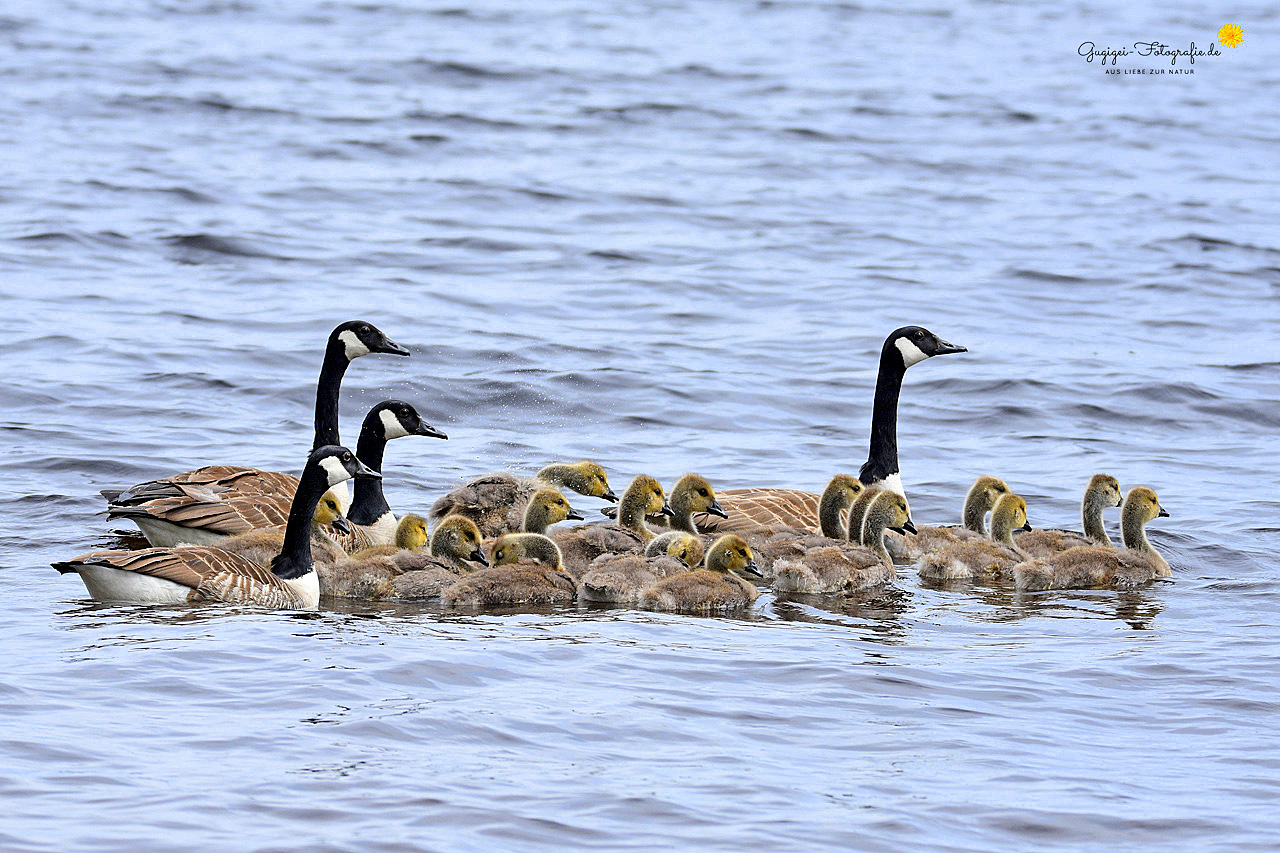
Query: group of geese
x,y
241,535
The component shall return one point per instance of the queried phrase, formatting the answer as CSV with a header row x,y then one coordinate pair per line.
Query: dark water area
x,y
667,237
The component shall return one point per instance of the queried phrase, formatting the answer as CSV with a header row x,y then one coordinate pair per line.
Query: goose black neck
x,y
368,504
882,456
331,373
294,559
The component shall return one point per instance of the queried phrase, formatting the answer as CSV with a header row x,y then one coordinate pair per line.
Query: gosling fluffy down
x,y
621,578
846,567
582,544
981,558
1102,492
411,572
527,569
496,502
978,501
716,587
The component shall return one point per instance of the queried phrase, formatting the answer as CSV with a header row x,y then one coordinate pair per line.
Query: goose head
x,y
355,338
396,419
522,547
340,464
457,538
585,478
1008,515
644,496
686,548
547,507
693,494
411,532
888,511
914,344
1104,491
731,553
1143,505
329,514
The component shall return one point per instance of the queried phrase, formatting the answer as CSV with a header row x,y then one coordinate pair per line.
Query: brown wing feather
x,y
752,508
223,514
216,479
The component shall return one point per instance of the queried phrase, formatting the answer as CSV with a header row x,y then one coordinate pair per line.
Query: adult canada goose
x,y
545,508
201,573
497,501
846,567
1093,566
411,572
262,545
692,495
208,499
582,544
769,543
715,587
986,558
621,578
205,516
791,508
526,570
1103,491
978,501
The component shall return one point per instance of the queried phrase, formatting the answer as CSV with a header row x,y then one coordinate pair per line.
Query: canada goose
x,y
545,508
497,501
1103,491
978,501
787,507
712,588
582,544
410,572
202,573
994,557
620,578
262,545
526,569
208,506
846,567
676,543
769,543
692,495
1092,566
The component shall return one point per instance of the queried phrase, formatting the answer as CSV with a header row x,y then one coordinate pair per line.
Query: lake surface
x,y
668,237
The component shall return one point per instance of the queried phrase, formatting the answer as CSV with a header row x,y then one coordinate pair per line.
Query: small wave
x,y
216,245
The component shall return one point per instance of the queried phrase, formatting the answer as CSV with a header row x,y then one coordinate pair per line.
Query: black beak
x,y
364,472
1162,513
610,496
1027,527
907,527
477,556
390,347
1120,501
752,569
716,509
574,515
945,348
667,510
428,430
341,524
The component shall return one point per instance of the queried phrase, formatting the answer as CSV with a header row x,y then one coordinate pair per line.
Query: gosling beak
x,y
667,510
907,527
1163,513
945,348
390,347
1120,501
752,569
429,431
610,496
364,472
341,524
477,556
574,515
1026,527
716,509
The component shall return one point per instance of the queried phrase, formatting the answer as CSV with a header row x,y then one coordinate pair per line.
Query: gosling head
x,y
1105,490
530,547
396,419
731,553
329,514
338,464
1009,514
889,511
585,478
686,548
1143,504
989,487
693,494
411,532
645,496
355,338
845,488
547,507
458,538
913,344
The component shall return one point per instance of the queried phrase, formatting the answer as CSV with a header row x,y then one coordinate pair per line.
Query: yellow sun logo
x,y
1230,35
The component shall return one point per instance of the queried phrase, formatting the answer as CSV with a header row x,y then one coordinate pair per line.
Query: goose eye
x,y
702,492
560,502
684,554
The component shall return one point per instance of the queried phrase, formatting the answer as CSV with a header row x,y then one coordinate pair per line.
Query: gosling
x,y
527,569
692,495
716,587
621,578
834,509
410,572
411,535
978,501
496,502
547,507
985,558
1102,493
582,544
847,567
1097,566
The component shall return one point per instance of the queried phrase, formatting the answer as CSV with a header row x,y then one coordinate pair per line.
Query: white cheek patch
x,y
911,354
352,345
391,426
335,470
892,483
